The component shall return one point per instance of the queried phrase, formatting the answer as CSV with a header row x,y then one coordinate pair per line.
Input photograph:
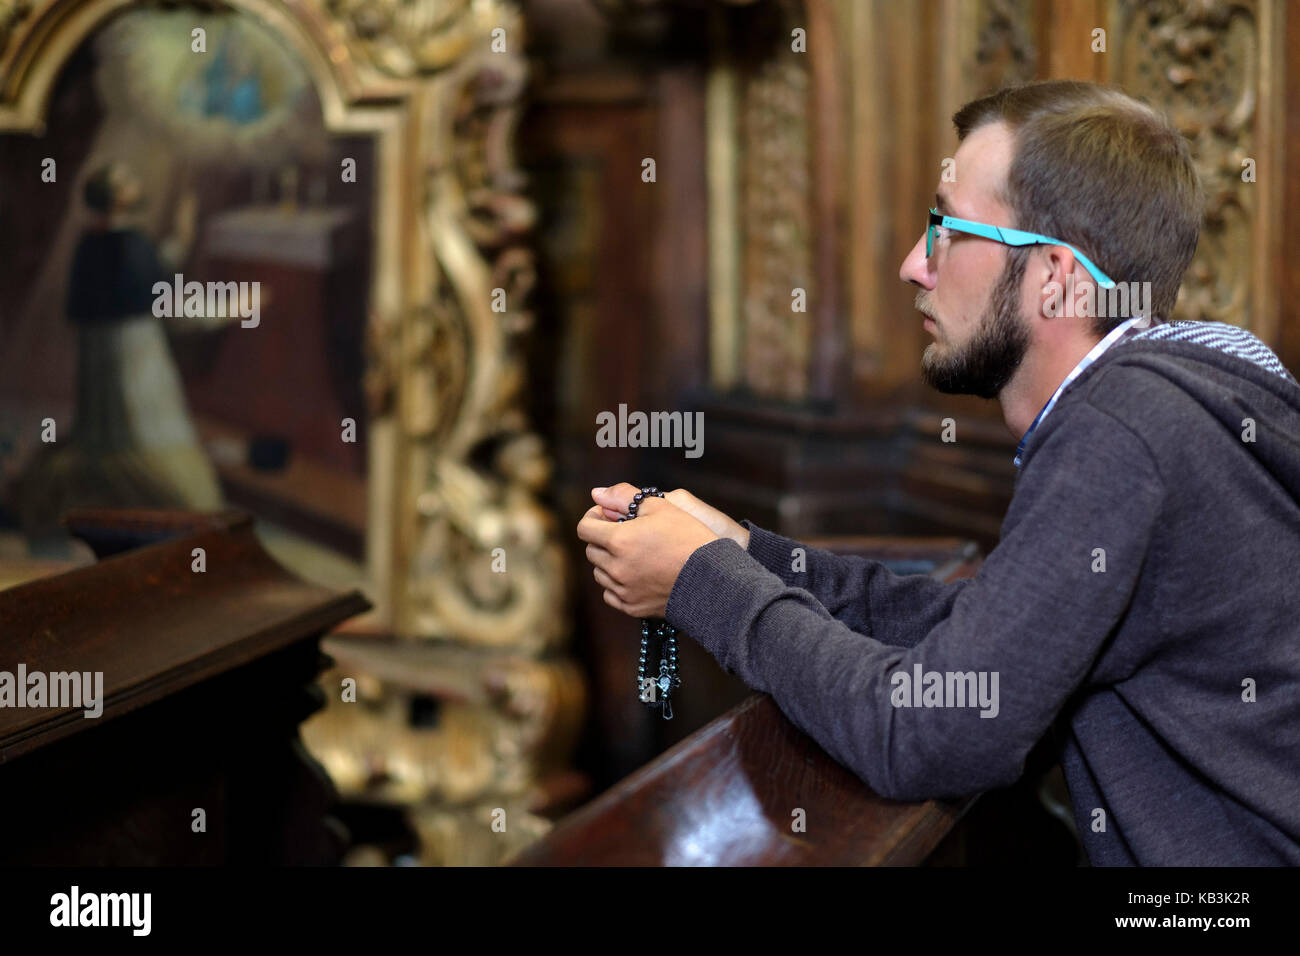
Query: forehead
x,y
981,164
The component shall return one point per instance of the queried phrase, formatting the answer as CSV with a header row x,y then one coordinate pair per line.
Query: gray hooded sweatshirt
x,y
1142,608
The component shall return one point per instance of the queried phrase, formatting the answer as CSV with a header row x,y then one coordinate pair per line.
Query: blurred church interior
x,y
473,227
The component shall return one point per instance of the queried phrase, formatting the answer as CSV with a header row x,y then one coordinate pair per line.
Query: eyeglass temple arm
x,y
1014,237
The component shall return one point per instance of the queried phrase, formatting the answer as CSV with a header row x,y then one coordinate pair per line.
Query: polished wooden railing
x,y
728,795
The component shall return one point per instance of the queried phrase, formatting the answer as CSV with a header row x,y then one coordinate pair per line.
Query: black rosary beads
x,y
658,691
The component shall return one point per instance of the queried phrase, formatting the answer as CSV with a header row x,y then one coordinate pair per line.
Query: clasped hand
x,y
637,561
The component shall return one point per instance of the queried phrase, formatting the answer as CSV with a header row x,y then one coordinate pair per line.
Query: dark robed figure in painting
x,y
132,443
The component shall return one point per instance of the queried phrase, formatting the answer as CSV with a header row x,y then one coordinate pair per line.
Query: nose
x,y
916,268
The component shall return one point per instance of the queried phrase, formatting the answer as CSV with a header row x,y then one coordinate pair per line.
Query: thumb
x,y
611,510
615,497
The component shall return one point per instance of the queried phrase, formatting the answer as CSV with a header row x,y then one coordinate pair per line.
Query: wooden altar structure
x,y
195,758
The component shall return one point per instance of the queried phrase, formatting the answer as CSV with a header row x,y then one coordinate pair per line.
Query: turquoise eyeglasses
x,y
1009,237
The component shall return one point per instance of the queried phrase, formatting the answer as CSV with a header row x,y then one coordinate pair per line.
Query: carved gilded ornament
x,y
11,12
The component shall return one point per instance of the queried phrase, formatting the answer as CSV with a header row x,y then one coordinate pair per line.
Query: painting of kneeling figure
x,y
133,442
188,151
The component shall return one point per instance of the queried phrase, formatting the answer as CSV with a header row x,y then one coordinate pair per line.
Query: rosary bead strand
x,y
668,679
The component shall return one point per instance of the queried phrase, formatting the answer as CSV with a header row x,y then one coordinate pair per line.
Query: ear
x,y
1061,262
1062,275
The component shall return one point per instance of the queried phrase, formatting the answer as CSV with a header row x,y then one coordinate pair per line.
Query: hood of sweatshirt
x,y
1235,378
1218,336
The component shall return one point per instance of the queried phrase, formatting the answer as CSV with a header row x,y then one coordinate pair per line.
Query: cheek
x,y
964,287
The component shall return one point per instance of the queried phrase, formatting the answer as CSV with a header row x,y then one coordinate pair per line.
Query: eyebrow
x,y
941,205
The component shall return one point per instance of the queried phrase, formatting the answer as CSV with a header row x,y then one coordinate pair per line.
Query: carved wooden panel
x,y
1005,51
1213,67
762,210
776,218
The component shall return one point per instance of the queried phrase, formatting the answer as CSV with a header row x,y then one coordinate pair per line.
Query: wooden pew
x,y
726,795
206,676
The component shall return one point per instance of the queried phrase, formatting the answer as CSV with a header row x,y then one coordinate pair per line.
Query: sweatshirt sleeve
x,y
863,594
1029,626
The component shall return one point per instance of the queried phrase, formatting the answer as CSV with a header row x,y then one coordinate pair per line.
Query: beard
x,y
986,363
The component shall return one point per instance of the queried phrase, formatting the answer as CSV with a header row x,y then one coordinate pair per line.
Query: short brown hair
x,y
1100,170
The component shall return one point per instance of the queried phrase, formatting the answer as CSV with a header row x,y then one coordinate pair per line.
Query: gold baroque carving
x,y
11,13
487,469
503,723
403,38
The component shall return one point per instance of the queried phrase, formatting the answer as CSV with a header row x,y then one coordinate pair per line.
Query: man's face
x,y
976,313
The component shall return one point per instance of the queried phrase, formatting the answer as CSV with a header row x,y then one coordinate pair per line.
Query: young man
x,y
1142,603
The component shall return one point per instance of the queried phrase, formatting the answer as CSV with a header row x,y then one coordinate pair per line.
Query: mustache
x,y
922,305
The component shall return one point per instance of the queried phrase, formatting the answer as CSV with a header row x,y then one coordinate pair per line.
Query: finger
x,y
592,512
599,556
608,583
613,601
596,530
649,506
